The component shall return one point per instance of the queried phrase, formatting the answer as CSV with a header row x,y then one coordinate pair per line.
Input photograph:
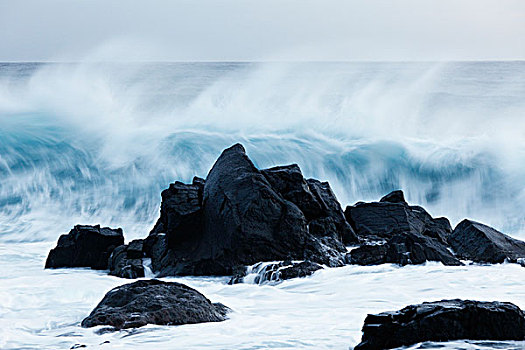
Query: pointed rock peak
x,y
237,148
394,197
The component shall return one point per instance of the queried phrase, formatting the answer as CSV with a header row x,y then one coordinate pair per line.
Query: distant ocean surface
x,y
97,142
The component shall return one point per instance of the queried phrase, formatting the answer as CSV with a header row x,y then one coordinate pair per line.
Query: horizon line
x,y
266,61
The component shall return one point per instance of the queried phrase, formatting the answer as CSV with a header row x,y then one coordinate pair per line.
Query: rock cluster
x,y
240,216
398,233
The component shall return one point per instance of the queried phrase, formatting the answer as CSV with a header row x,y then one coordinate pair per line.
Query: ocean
x,y
95,143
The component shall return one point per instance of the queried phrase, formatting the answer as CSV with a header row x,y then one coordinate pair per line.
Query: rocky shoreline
x,y
240,216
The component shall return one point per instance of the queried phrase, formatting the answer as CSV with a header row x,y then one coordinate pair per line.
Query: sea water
x,y
96,143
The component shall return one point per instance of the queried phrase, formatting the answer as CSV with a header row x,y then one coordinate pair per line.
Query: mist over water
x,y
96,143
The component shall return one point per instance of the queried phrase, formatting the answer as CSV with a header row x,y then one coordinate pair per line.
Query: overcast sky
x,y
261,30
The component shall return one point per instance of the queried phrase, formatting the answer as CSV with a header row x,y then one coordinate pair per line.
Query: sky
x,y
263,30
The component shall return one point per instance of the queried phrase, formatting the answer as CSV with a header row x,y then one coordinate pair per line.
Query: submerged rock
x,y
85,246
478,242
443,321
276,272
241,219
402,234
403,249
154,302
126,260
302,269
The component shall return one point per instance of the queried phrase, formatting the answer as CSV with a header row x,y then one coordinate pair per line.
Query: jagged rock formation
x,y
400,233
478,242
240,215
85,246
126,260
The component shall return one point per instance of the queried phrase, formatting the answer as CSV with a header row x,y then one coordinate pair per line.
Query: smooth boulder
x,y
474,241
85,246
154,302
443,320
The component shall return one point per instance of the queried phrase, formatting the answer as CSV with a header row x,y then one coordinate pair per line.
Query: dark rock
x,y
392,215
370,254
240,220
289,182
314,198
181,212
135,249
154,302
403,249
443,321
474,241
126,260
394,197
412,236
302,269
331,208
156,247
85,246
277,272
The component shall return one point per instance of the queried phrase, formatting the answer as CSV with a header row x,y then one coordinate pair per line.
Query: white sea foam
x,y
42,309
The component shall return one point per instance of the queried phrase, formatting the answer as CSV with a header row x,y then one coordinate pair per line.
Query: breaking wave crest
x,y
96,143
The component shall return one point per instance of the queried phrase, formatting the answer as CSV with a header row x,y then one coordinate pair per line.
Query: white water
x,y
97,143
42,309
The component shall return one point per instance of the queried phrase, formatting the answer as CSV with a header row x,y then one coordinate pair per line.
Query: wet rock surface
x,y
126,260
242,219
154,302
181,212
240,215
276,272
443,321
392,215
402,234
85,246
403,249
478,242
